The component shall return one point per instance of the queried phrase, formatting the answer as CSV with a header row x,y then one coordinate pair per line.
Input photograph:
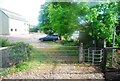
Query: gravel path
x,y
58,71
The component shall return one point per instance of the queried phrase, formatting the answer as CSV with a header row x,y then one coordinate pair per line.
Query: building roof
x,y
13,15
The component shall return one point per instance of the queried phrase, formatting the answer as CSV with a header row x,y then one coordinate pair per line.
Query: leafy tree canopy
x,y
65,17
102,19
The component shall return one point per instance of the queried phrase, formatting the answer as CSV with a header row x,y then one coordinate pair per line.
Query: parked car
x,y
50,38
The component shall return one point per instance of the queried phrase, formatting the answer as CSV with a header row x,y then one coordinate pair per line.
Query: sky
x,y
29,9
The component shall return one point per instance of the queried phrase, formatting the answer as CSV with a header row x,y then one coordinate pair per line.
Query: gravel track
x,y
58,71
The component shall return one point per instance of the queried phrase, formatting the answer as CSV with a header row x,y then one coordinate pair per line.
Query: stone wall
x,y
13,55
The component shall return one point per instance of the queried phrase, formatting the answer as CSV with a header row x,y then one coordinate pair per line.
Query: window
x,y
15,29
11,29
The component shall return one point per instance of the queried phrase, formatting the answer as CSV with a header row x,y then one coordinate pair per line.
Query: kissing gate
x,y
93,56
108,59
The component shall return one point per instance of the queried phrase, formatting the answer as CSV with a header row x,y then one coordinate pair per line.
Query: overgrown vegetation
x,y
4,42
34,29
16,57
70,43
116,60
38,57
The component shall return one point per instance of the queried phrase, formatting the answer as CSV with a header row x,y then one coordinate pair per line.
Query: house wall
x,y
4,24
18,27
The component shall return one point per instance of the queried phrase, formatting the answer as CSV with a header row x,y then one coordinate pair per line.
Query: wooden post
x,y
104,61
81,58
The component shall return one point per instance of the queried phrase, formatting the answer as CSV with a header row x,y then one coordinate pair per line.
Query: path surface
x,y
58,71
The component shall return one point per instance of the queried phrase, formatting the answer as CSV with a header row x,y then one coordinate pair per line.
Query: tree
x,y
43,19
118,27
65,17
61,17
102,20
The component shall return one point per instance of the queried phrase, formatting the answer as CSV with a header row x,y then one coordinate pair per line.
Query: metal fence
x,y
93,56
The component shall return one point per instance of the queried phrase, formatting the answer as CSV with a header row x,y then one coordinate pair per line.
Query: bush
x,y
16,43
70,43
22,66
34,29
4,42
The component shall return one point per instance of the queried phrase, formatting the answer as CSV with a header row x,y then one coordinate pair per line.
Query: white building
x,y
12,23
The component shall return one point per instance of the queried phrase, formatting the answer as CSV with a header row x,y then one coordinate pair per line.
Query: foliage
x,y
4,42
117,40
15,55
115,62
70,43
43,19
61,17
13,69
22,66
16,51
16,43
34,29
102,20
98,20
30,48
118,27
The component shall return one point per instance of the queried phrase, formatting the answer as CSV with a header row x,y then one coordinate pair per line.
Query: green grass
x,y
53,43
20,67
61,43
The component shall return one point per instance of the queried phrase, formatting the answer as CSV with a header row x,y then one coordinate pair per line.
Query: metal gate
x,y
93,56
61,54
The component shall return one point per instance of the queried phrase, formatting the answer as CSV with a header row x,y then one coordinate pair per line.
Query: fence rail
x,y
63,54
